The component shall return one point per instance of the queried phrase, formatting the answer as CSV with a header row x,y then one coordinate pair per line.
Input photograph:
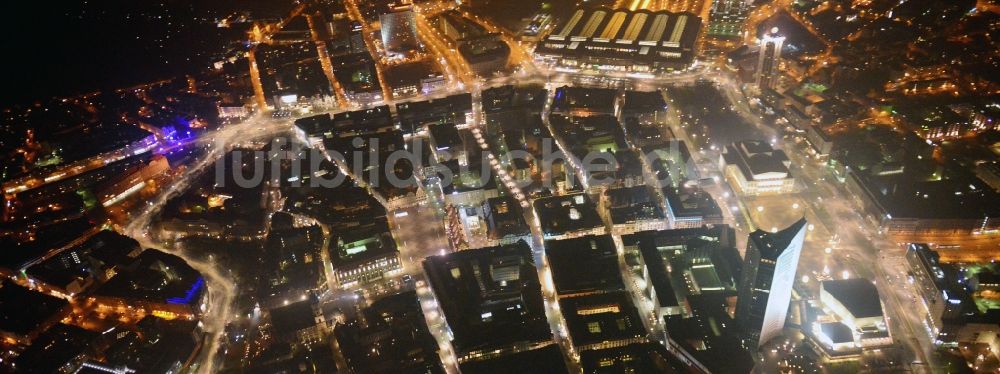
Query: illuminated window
x,y
594,327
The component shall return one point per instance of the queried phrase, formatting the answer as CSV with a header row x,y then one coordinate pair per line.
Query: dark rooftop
x,y
59,345
688,202
632,358
111,248
61,270
356,72
498,99
858,295
668,253
710,335
445,136
409,73
16,254
837,332
393,338
599,318
504,217
548,360
107,247
156,347
596,254
598,100
484,49
364,120
771,245
960,198
756,158
293,317
490,296
22,310
643,101
632,204
361,243
157,277
562,214
450,109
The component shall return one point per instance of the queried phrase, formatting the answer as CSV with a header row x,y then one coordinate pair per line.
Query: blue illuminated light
x,y
189,294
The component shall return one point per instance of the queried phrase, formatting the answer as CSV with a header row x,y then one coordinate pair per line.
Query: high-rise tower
x,y
768,274
768,59
399,30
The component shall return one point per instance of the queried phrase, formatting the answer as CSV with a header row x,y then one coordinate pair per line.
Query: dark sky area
x,y
68,47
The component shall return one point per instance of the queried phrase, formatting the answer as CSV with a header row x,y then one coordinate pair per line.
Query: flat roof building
x,y
454,109
160,283
568,216
681,262
632,358
363,254
689,206
298,323
413,78
505,220
486,56
601,321
155,345
912,208
596,254
836,335
456,28
61,349
445,141
648,107
491,299
24,314
708,338
989,173
632,209
358,76
584,102
547,360
854,300
940,295
392,337
511,106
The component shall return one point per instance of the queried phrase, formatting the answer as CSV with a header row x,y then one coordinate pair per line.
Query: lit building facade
x,y
399,30
768,275
365,258
755,168
601,39
768,59
856,304
940,299
727,18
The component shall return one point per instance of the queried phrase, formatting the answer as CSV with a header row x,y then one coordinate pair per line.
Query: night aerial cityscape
x,y
501,186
